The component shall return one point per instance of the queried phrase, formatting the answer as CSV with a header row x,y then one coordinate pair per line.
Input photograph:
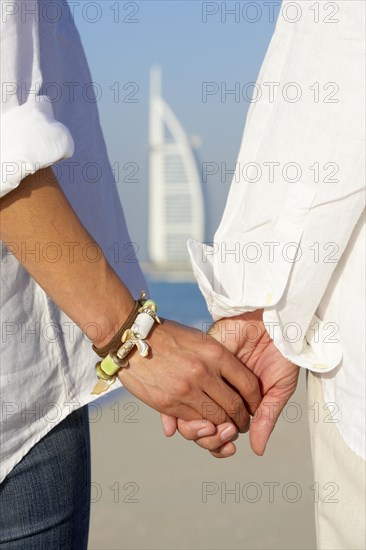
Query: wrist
x,y
107,325
242,330
116,352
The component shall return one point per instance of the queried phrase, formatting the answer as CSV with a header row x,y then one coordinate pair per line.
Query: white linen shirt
x,y
292,238
47,364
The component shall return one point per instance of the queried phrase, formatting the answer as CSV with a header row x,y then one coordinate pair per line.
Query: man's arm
x,y
282,235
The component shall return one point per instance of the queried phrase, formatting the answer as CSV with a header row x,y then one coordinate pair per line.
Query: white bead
x,y
142,325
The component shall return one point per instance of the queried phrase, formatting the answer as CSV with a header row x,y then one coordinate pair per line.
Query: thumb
x,y
169,424
264,421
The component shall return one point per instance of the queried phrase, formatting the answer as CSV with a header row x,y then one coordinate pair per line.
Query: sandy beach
x,y
150,492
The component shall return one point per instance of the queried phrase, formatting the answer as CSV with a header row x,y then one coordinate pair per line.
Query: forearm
x,y
181,377
36,214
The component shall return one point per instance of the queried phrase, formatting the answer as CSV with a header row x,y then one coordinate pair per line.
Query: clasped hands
x,y
207,386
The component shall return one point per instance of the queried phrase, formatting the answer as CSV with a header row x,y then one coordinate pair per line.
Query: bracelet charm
x,y
106,370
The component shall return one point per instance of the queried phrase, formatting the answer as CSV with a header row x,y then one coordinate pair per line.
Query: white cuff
x,y
237,275
312,347
31,139
320,350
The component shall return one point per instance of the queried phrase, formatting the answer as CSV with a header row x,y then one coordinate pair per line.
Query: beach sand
x,y
150,492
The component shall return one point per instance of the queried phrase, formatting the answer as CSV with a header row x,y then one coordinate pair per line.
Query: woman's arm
x,y
36,214
188,374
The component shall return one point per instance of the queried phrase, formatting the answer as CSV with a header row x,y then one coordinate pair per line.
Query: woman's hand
x,y
190,375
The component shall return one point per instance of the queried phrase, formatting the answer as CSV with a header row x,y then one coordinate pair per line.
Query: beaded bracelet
x,y
132,334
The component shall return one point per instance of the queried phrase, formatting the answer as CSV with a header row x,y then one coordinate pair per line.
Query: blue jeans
x,y
45,500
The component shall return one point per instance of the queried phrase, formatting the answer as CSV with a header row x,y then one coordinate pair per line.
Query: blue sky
x,y
123,39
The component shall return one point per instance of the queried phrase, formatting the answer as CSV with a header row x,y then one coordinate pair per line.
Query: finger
x,y
194,429
224,433
245,382
188,412
227,450
199,407
264,421
169,424
214,404
202,406
230,401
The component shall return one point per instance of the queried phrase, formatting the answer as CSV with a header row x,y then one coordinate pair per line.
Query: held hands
x,y
247,338
190,375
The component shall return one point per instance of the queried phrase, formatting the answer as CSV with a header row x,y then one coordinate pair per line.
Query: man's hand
x,y
247,338
191,376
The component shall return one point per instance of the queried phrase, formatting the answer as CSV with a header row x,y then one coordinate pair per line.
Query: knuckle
x,y
213,351
182,388
198,369
166,401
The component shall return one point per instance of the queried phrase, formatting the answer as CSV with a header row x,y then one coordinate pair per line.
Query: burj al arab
x,y
176,205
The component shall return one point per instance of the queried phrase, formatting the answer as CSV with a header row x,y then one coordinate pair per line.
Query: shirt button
x,y
320,366
268,298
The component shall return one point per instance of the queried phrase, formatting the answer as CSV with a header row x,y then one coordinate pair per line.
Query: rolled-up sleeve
x,y
297,193
31,138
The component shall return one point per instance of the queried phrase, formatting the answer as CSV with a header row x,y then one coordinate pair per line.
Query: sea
x,y
182,302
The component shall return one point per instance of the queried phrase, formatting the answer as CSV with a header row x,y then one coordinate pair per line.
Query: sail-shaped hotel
x,y
176,206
